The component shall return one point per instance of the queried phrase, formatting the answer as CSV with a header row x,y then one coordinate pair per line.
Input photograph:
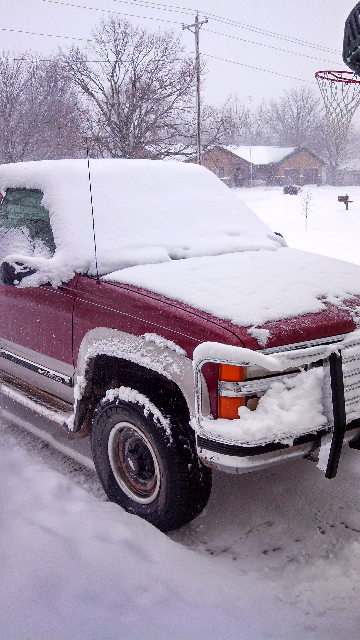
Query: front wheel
x,y
146,464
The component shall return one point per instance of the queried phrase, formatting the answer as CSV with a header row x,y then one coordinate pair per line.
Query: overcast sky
x,y
284,41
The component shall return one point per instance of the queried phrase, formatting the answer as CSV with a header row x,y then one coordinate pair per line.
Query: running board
x,y
40,402
55,412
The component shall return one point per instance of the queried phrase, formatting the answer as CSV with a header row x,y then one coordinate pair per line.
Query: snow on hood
x,y
252,287
145,211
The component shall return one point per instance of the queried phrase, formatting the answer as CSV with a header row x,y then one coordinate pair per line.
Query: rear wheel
x,y
148,465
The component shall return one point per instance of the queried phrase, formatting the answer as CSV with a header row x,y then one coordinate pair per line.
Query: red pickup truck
x,y
172,327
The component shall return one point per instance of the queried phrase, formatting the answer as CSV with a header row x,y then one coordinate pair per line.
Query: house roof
x,y
262,155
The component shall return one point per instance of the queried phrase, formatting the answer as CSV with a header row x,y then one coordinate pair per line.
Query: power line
x,y
160,7
47,35
52,35
130,15
176,9
276,73
207,55
269,46
272,34
35,59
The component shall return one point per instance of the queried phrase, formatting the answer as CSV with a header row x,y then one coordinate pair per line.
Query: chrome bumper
x,y
340,356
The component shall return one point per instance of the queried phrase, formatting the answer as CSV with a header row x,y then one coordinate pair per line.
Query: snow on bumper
x,y
320,394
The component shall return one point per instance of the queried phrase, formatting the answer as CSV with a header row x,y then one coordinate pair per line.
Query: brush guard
x,y
334,391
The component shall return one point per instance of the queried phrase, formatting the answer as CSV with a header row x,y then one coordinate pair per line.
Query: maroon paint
x,y
39,318
137,311
331,321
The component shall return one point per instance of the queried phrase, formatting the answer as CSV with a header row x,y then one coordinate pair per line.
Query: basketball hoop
x,y
340,91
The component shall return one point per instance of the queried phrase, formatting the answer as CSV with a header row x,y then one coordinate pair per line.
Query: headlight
x,y
244,386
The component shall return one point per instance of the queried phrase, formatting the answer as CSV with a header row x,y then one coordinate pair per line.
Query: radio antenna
x,y
92,213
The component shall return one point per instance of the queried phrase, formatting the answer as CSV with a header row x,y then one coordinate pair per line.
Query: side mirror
x,y
13,273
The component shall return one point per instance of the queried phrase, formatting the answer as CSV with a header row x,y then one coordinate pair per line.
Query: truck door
x,y
35,322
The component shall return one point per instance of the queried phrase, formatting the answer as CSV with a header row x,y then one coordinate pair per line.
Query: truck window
x,y
25,224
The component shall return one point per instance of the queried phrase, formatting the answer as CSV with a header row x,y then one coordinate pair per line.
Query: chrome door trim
x,y
36,368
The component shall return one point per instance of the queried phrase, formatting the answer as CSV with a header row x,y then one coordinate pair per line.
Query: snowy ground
x,y
276,554
331,230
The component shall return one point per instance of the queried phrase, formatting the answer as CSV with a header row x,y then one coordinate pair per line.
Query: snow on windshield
x,y
19,241
145,212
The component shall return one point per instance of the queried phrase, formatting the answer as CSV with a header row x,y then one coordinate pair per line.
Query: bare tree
x,y
138,87
54,113
61,112
40,116
294,119
243,124
14,76
236,118
306,203
338,151
213,127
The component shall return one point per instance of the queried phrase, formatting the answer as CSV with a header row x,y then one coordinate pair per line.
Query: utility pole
x,y
195,28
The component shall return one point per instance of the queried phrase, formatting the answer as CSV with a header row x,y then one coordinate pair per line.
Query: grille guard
x,y
341,386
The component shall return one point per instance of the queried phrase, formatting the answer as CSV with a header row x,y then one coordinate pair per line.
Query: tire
x,y
147,465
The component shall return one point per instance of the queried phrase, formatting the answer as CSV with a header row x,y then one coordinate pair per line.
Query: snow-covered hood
x,y
251,288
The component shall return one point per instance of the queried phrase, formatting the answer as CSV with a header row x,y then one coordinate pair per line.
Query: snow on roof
x,y
146,211
262,155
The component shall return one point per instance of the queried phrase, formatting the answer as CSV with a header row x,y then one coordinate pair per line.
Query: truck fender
x,y
150,351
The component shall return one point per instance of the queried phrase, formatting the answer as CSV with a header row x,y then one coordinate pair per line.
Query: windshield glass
x,y
25,224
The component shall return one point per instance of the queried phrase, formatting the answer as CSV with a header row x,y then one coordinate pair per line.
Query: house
x,y
347,174
245,166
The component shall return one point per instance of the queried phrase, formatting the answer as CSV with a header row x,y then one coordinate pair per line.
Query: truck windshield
x,y
25,224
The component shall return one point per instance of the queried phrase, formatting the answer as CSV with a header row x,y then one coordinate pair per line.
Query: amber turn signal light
x,y
227,406
230,373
